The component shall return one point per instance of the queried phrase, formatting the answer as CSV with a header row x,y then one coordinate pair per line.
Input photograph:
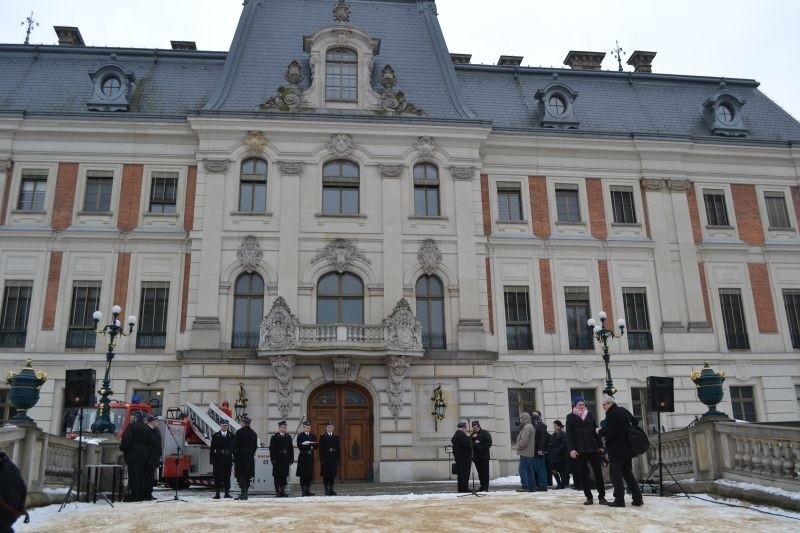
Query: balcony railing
x,y
12,339
737,341
81,338
434,341
244,340
639,340
519,341
580,341
151,339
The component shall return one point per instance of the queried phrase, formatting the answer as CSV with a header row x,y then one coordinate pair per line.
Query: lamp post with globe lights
x,y
602,334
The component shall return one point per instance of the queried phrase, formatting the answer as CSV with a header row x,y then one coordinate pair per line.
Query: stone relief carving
x,y
403,328
394,102
278,330
341,144
215,165
462,173
291,168
255,141
341,11
342,369
249,253
5,164
425,146
341,254
390,171
341,36
429,256
678,185
653,185
387,79
283,366
287,98
397,366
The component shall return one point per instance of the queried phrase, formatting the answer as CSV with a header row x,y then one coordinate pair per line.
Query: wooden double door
x,y
350,408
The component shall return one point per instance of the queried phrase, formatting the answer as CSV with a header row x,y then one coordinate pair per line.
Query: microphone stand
x,y
178,461
77,478
474,491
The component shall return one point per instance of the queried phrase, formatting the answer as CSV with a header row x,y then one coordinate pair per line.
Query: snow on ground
x,y
500,510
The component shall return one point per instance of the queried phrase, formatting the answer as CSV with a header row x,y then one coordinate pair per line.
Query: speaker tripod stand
x,y
178,463
76,479
661,467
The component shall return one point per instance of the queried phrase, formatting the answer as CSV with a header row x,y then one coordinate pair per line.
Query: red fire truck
x,y
122,414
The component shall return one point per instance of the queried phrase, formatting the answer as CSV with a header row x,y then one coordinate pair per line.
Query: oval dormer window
x,y
725,113
557,105
110,85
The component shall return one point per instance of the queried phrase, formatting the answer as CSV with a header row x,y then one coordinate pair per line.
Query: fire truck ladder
x,y
205,422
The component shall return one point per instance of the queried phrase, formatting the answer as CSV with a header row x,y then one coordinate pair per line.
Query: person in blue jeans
x,y
526,448
541,438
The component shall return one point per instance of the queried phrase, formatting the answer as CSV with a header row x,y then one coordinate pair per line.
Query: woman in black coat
x,y
584,445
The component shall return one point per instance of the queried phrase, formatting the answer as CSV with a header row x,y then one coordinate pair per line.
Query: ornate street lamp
x,y
103,424
602,335
439,406
240,405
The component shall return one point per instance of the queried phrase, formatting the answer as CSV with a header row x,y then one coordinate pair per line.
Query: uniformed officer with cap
x,y
221,458
462,453
329,456
243,448
281,454
306,444
481,442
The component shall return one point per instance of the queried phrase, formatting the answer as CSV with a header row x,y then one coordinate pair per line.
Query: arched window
x,y
248,310
340,299
253,186
426,190
430,311
341,75
340,186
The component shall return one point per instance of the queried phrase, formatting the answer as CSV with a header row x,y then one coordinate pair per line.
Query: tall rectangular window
x,y
32,189
519,401
340,188
716,210
152,330
590,399
164,192
733,319
744,405
14,318
518,318
85,301
426,190
253,186
791,300
341,75
97,198
578,313
509,201
622,205
637,320
568,206
777,213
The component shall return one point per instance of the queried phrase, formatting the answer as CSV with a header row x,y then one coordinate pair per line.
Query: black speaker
x,y
660,394
79,388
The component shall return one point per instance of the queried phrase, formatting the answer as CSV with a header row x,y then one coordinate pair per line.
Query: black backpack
x,y
637,438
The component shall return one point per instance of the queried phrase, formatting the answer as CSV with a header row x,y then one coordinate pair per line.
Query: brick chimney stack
x,y
183,45
69,36
582,60
509,61
460,59
641,61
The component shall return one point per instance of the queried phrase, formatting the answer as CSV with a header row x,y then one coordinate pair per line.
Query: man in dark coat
x,y
281,454
462,453
584,445
221,459
243,449
541,438
615,429
329,456
306,444
557,453
481,442
153,457
13,493
135,446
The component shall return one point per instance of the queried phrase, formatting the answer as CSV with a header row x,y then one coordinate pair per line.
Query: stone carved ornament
x,y
278,330
425,146
390,171
249,253
394,102
344,370
5,164
678,185
287,98
653,185
462,173
403,327
429,256
255,142
291,168
283,366
216,165
341,11
341,254
397,366
341,144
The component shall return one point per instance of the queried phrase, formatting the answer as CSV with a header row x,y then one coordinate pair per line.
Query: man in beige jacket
x,y
526,448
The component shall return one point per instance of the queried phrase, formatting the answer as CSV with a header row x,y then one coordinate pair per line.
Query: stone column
x,y
289,212
392,235
5,177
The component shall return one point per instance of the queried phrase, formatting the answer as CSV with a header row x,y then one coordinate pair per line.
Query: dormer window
x,y
556,106
723,114
112,88
341,75
111,85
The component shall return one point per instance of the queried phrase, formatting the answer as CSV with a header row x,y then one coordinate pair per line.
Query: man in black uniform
x,y
462,453
481,442
153,458
281,453
221,459
329,456
135,447
243,449
306,443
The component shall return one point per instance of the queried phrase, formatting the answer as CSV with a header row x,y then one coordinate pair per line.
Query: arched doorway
x,y
350,408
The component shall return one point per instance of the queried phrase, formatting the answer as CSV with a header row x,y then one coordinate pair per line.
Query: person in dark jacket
x,y
462,453
306,444
557,453
540,458
481,443
281,454
153,458
243,449
584,445
13,494
135,447
221,459
330,454
615,429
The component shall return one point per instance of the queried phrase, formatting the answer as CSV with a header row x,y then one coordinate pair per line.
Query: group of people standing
x,y
469,448
141,446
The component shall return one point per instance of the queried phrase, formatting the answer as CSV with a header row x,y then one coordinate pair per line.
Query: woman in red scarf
x,y
585,446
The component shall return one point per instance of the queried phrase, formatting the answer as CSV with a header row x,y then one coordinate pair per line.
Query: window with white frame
x,y
568,207
163,192
14,317
97,196
733,319
248,310
340,188
637,318
744,405
777,213
518,318
716,209
430,311
622,205
253,186
341,75
576,300
152,329
519,401
509,201
426,190
791,301
32,189
85,301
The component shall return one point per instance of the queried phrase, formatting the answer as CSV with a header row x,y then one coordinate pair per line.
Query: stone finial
x,y
294,73
341,11
387,79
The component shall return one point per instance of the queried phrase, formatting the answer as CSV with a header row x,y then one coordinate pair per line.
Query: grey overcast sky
x,y
730,38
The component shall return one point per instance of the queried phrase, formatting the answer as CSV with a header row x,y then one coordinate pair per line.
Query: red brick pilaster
x,y
64,199
187,265
701,266
762,296
191,187
540,205
6,193
597,208
548,308
605,287
694,215
486,206
130,197
51,292
748,215
489,296
121,286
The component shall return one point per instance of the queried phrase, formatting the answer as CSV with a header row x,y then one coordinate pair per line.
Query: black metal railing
x,y
244,340
519,341
434,341
81,338
737,341
581,341
639,340
12,339
151,339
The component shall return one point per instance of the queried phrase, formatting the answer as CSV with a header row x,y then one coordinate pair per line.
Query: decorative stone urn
x,y
709,390
25,390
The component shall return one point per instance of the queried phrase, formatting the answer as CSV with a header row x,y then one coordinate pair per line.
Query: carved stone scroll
x,y
249,253
278,330
397,366
283,367
341,253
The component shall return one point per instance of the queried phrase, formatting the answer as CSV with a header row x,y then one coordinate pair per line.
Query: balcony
x,y
519,341
434,341
12,339
737,341
151,339
81,338
639,340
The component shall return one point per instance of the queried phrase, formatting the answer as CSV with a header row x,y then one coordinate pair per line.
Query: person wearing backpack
x,y
13,493
615,429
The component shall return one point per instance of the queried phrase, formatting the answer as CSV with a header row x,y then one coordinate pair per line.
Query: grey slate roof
x,y
54,80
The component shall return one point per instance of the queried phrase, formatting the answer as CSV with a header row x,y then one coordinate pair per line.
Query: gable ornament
x,y
255,142
429,256
249,253
425,146
341,11
341,254
341,144
278,330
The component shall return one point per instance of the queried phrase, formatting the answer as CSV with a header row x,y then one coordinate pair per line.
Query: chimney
x,y
460,59
641,61
183,45
581,60
69,36
509,61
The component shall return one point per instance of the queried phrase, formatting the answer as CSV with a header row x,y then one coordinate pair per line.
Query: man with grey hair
x,y
615,429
